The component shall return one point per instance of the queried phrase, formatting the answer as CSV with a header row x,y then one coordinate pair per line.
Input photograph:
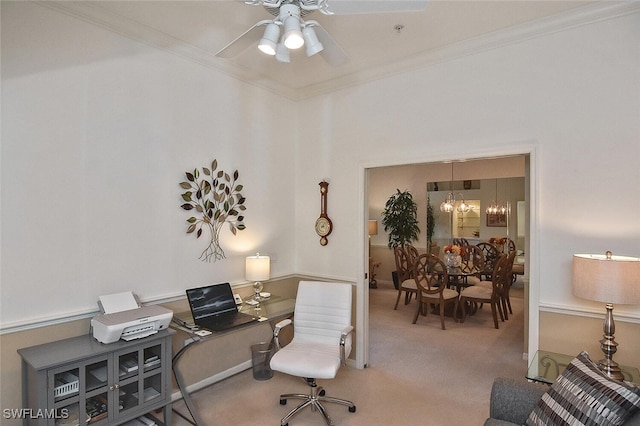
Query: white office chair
x,y
321,343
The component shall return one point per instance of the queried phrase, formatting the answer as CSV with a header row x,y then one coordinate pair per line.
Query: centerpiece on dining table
x,y
498,242
453,255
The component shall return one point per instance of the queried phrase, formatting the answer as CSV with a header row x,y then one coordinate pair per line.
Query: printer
x,y
124,318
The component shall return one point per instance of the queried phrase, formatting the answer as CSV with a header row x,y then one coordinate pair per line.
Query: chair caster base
x,y
315,401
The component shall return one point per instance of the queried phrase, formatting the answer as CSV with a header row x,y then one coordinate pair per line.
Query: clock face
x,y
323,226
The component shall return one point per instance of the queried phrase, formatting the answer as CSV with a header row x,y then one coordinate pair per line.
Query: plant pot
x,y
394,277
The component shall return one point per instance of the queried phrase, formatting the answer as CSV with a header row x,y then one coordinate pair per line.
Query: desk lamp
x,y
609,279
257,269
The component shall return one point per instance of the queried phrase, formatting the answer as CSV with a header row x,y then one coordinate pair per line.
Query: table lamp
x,y
373,230
609,279
257,269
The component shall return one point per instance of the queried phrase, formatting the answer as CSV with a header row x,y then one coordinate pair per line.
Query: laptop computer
x,y
214,308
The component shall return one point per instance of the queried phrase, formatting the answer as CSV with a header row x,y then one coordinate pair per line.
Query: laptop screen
x,y
211,300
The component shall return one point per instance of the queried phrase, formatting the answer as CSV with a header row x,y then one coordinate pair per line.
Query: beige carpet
x,y
417,375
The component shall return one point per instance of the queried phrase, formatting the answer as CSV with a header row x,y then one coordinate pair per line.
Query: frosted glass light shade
x,y
311,41
292,34
269,40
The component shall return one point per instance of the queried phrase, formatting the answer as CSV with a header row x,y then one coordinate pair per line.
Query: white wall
x,y
97,132
574,93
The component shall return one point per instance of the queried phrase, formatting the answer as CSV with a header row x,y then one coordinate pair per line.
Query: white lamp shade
x,y
608,279
292,34
311,41
282,53
257,268
269,40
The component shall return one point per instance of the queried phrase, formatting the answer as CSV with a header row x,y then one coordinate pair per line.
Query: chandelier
x,y
449,203
496,207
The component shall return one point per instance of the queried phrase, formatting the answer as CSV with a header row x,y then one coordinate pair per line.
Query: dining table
x,y
457,279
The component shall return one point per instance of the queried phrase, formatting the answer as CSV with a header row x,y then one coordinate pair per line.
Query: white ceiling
x,y
201,28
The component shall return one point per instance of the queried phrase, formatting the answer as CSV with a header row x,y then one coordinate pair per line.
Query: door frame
x,y
527,148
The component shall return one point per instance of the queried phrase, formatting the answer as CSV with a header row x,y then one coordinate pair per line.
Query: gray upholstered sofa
x,y
513,400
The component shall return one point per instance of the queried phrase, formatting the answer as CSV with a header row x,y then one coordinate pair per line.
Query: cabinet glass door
x,y
66,396
128,370
153,383
97,391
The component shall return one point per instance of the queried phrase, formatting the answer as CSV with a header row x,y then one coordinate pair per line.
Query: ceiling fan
x,y
296,32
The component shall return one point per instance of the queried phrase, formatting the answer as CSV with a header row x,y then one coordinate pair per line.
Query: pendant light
x,y
448,205
496,206
463,207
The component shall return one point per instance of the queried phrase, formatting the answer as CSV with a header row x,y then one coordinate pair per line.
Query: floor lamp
x,y
609,279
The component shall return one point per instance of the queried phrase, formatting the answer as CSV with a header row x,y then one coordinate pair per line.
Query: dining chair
x,y
492,296
505,301
430,274
490,254
508,281
472,264
404,269
510,245
460,242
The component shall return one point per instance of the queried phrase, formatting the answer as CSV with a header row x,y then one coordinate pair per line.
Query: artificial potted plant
x,y
400,220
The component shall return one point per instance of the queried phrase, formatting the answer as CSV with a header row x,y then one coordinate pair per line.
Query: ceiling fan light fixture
x,y
311,41
269,40
292,34
282,53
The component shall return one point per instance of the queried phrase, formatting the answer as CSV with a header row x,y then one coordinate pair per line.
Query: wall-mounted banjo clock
x,y
323,224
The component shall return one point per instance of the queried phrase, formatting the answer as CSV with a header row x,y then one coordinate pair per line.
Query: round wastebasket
x,y
261,357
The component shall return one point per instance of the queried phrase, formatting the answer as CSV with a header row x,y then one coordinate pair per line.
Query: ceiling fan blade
x,y
246,39
332,52
352,7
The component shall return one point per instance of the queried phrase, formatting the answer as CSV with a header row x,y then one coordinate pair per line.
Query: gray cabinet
x,y
80,381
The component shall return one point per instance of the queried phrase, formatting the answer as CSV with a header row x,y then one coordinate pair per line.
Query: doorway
x,y
528,174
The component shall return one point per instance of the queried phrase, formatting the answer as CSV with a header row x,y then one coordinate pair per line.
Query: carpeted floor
x,y
417,374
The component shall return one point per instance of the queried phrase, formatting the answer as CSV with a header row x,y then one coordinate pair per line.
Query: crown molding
x,y
570,19
91,13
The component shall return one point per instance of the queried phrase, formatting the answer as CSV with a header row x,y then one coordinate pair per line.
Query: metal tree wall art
x,y
216,198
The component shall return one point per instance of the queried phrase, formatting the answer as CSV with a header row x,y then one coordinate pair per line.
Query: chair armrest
x,y
513,400
343,339
276,330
